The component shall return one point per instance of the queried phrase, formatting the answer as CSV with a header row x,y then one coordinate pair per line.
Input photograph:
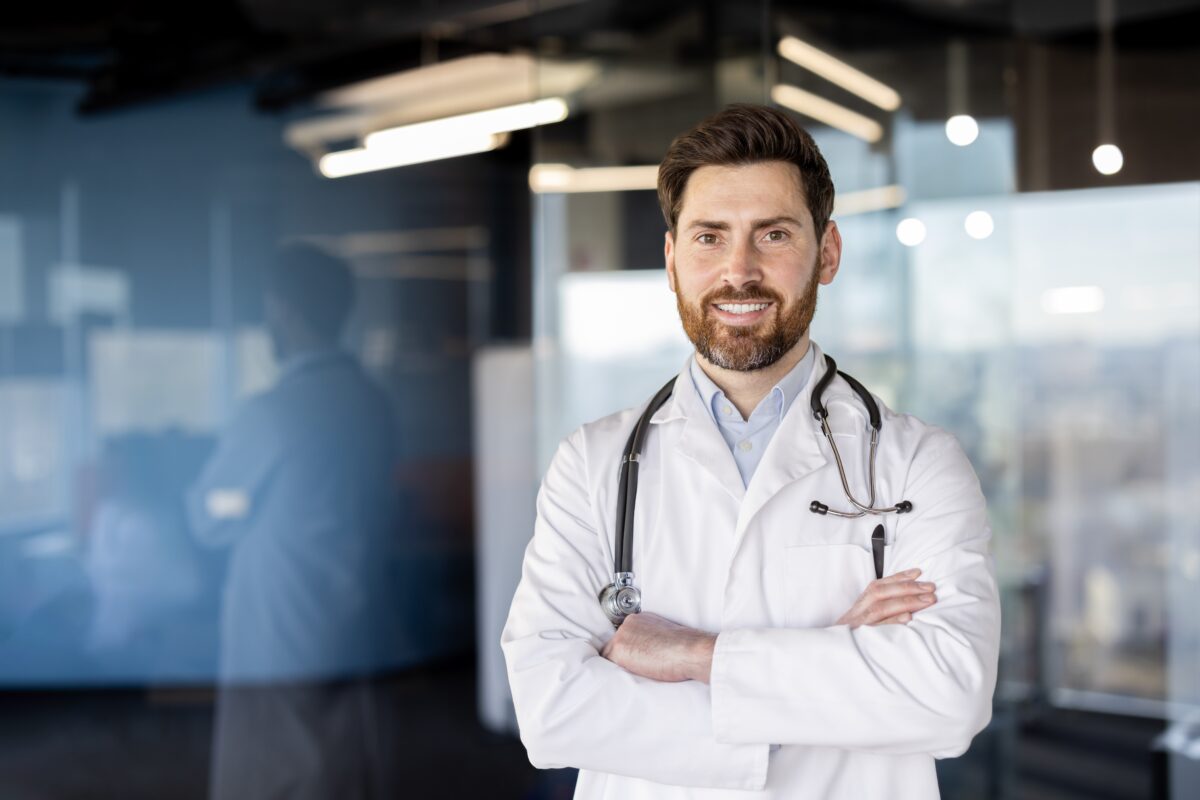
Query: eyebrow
x,y
755,224
764,223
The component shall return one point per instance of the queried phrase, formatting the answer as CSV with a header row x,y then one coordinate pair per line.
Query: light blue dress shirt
x,y
748,438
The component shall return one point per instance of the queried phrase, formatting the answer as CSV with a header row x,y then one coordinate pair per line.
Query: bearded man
x,y
814,613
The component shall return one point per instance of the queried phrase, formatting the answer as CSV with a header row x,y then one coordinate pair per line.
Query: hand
x,y
890,601
657,648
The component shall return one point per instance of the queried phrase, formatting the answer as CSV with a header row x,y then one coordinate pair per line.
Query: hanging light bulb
x,y
961,127
979,225
1107,158
910,232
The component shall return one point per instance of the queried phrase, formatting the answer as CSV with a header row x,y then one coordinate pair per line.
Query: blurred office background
x,y
1019,194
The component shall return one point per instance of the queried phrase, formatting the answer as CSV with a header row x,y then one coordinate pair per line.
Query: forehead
x,y
764,189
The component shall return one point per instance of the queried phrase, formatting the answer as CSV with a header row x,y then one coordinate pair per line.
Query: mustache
x,y
730,295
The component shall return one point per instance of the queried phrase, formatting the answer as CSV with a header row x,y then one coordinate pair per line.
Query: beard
x,y
753,347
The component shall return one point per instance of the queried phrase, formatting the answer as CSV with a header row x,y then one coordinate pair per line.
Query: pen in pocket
x,y
877,543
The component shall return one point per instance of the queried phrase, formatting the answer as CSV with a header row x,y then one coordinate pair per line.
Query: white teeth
x,y
741,308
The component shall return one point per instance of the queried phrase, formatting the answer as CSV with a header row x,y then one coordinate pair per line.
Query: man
x,y
298,489
768,656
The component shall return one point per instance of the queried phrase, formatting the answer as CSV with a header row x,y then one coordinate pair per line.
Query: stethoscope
x,y
621,598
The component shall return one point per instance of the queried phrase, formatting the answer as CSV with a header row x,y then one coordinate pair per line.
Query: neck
x,y
747,389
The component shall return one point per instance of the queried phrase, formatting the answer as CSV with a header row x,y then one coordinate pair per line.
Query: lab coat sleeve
x,y
576,708
222,502
924,687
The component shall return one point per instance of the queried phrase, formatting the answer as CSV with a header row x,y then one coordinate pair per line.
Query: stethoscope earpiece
x,y
876,424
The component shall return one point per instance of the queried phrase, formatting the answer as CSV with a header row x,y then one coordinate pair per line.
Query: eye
x,y
776,236
707,238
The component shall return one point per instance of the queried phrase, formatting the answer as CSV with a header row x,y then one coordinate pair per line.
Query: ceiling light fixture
x,y
565,179
1107,158
910,232
838,72
478,123
822,110
961,127
979,225
404,153
449,137
864,201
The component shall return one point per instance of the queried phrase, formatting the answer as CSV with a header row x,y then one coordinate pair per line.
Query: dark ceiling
x,y
137,51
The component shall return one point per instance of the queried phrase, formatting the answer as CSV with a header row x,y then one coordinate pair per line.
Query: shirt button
x,y
726,410
746,446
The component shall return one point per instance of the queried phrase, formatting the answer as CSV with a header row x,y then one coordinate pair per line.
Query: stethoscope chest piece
x,y
620,598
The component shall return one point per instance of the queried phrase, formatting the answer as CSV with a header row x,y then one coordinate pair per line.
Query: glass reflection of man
x,y
298,490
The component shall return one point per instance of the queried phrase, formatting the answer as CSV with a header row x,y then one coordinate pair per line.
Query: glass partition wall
x,y
235,452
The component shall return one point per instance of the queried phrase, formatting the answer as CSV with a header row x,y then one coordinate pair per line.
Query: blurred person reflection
x,y
298,488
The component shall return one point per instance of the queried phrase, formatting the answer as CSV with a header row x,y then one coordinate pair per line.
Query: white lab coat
x,y
858,713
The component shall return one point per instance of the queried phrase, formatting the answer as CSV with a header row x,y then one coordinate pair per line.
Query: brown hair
x,y
746,134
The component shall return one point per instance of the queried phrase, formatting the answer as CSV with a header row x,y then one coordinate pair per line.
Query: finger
x,y
898,605
886,591
899,619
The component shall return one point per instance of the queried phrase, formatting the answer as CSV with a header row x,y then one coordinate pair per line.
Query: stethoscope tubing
x,y
623,585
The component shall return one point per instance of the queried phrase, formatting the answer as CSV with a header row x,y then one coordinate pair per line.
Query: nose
x,y
742,267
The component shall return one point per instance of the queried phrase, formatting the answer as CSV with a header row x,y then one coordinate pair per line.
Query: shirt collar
x,y
783,393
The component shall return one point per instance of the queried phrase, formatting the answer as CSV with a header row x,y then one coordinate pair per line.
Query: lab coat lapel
x,y
700,440
793,453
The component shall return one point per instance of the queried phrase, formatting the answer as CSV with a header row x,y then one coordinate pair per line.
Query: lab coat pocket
x,y
823,581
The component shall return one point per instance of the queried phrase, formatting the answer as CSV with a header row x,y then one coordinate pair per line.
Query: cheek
x,y
696,271
790,270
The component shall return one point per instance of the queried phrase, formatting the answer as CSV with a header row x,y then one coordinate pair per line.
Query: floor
x,y
135,744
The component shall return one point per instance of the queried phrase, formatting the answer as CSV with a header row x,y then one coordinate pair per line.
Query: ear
x,y
669,258
831,252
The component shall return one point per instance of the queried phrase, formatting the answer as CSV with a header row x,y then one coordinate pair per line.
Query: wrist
x,y
700,661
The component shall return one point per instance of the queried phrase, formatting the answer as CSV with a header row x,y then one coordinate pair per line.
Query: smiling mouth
x,y
741,308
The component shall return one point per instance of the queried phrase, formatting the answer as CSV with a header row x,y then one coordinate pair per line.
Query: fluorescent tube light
x,y
865,201
839,72
403,153
822,110
446,76
477,123
562,178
